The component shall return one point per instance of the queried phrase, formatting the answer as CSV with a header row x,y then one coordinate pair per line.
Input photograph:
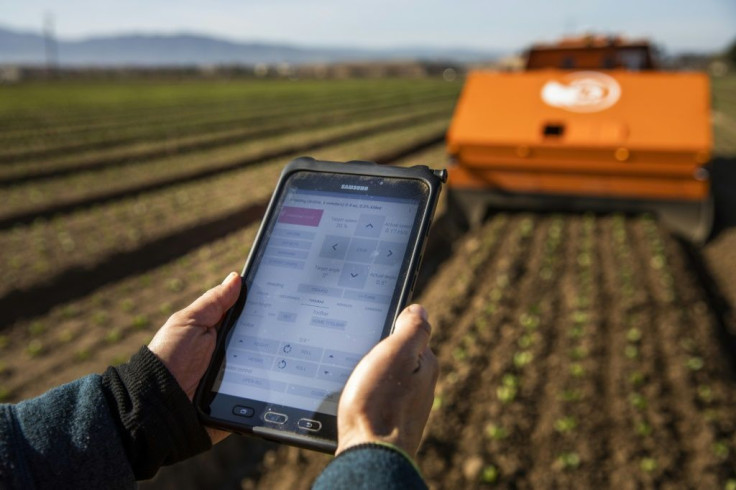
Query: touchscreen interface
x,y
319,297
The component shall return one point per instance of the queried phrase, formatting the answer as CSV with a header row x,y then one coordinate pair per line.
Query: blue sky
x,y
698,25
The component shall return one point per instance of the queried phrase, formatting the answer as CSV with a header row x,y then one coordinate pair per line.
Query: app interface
x,y
319,298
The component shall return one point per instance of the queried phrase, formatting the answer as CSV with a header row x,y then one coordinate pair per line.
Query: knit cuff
x,y
157,421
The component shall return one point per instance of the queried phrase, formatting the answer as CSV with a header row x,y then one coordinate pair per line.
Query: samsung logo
x,y
350,187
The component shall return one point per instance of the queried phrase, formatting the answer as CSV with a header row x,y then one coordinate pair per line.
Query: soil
x,y
577,351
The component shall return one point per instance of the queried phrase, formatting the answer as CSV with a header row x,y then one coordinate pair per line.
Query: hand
x,y
390,393
186,341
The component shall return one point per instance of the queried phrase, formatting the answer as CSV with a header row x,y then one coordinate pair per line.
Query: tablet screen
x,y
321,289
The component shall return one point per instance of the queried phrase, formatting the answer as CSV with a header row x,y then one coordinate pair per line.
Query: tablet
x,y
332,266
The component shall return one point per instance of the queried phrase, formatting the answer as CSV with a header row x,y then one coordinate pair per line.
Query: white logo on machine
x,y
583,91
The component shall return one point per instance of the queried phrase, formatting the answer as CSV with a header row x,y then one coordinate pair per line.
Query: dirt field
x,y
576,350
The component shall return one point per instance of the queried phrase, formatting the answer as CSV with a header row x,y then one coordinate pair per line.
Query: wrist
x,y
358,438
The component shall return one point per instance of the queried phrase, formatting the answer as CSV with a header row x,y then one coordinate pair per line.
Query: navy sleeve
x,y
100,431
65,438
370,466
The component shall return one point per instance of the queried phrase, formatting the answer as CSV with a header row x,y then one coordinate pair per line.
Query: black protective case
x,y
432,178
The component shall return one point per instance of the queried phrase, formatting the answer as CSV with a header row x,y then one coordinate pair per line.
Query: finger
x,y
209,308
412,328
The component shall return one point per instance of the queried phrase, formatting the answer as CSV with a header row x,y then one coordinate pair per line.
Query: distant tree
x,y
731,53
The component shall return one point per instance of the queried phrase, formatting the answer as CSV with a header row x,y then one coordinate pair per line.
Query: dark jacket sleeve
x,y
100,431
370,466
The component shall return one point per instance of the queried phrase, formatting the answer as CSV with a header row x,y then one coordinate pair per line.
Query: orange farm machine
x,y
589,124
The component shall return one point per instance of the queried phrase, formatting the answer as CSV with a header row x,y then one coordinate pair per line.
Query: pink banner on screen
x,y
300,216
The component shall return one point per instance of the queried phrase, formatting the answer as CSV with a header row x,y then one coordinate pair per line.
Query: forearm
x,y
100,431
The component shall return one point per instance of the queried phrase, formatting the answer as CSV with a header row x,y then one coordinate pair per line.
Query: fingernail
x,y
229,277
419,309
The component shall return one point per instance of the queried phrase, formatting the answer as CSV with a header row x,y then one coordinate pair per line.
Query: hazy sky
x,y
491,24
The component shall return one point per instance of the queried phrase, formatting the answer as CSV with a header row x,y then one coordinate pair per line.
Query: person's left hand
x,y
187,340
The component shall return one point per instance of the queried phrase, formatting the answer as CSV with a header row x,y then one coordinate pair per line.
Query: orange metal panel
x,y
652,111
607,133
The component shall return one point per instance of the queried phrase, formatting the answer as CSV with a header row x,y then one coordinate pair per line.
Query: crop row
x,y
257,127
21,199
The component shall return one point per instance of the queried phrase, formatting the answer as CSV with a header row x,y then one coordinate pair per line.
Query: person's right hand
x,y
390,393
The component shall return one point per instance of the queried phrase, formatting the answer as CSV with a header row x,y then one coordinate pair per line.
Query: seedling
x,y
643,429
34,348
65,336
529,321
695,363
496,432
637,378
140,322
127,305
166,308
705,393
566,424
459,354
489,474
578,353
36,328
568,461
526,341
69,311
648,464
571,395
101,318
721,450
113,335
506,394
82,355
638,401
577,370
523,358
633,335
631,352
175,285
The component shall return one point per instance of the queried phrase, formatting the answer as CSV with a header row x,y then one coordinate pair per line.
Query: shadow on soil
x,y
723,178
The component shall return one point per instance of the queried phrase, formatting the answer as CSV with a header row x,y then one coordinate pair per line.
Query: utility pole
x,y
50,46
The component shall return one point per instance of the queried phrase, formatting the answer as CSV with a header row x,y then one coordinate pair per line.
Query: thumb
x,y
209,308
412,328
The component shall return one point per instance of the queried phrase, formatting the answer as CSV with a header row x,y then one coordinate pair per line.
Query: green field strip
x,y
27,203
182,127
49,105
74,254
59,102
135,154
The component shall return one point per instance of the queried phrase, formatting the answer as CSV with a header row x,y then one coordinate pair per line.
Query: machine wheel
x,y
692,221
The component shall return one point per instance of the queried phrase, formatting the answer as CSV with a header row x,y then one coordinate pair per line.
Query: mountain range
x,y
28,48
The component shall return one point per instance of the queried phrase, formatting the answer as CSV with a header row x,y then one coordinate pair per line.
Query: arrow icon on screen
x,y
334,247
390,253
369,225
354,275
